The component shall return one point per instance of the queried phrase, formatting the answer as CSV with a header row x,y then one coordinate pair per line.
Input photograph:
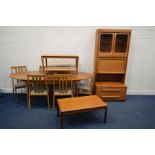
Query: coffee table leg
x,y
62,121
57,110
105,115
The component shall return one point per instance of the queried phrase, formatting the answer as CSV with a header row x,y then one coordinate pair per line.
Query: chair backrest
x,y
18,69
62,82
90,84
41,69
37,82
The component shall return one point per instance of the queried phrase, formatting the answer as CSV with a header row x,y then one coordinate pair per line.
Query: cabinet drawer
x,y
110,93
117,65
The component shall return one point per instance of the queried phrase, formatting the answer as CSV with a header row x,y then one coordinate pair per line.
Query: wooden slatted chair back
x,y
37,83
62,82
18,69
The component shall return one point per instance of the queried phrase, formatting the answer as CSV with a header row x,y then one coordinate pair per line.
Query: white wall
x,y
24,46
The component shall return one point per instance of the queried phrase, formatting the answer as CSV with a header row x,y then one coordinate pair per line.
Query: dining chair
x,y
37,86
85,87
62,86
18,84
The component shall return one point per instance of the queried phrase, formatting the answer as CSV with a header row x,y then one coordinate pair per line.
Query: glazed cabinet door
x,y
113,44
121,43
105,44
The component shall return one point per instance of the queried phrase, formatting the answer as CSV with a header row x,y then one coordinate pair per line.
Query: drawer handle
x,y
110,96
109,90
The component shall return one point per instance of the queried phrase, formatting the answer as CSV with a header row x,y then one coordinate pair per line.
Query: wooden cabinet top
x,y
114,30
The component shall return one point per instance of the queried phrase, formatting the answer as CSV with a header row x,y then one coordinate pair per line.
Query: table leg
x,y
62,121
75,88
105,115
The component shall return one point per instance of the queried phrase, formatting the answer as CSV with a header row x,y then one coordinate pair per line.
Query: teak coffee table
x,y
68,106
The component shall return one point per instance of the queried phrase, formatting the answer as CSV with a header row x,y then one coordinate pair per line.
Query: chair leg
x,y
76,88
57,110
53,102
29,102
105,115
27,90
48,101
15,92
27,96
76,91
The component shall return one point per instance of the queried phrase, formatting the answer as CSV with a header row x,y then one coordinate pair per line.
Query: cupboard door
x,y
121,43
105,43
113,44
111,65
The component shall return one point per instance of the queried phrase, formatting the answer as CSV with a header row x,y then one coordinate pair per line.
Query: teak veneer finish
x,y
67,105
75,105
112,49
111,65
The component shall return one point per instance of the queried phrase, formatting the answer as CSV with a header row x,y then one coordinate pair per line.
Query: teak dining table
x,y
22,76
77,77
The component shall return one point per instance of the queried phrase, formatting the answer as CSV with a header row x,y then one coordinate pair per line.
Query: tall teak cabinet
x,y
112,48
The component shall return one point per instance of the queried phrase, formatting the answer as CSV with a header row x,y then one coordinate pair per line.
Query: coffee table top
x,y
81,103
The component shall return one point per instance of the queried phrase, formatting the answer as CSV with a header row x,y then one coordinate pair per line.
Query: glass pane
x,y
121,43
106,43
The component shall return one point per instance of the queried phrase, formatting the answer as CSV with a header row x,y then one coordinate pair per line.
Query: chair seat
x,y
44,92
84,92
83,86
57,92
83,89
20,85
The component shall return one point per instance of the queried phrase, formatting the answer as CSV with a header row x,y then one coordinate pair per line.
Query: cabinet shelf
x,y
110,72
110,77
110,84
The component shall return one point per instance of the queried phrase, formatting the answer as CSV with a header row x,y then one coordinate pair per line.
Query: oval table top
x,y
23,76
